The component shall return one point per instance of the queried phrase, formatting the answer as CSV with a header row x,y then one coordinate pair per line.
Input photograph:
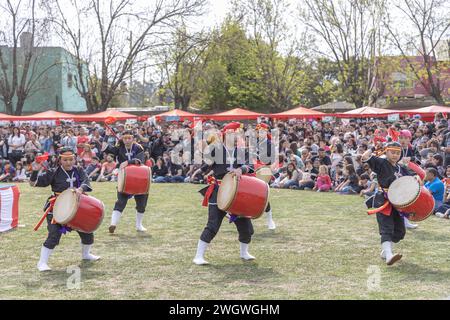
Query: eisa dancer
x,y
227,161
127,153
265,144
65,176
390,222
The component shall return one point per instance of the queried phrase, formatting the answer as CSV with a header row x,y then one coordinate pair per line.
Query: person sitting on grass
x,y
291,177
369,186
323,183
8,173
20,173
307,181
160,171
108,169
93,169
351,182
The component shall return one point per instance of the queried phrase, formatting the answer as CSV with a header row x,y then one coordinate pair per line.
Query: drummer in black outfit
x,y
127,152
404,139
265,156
223,158
390,222
65,176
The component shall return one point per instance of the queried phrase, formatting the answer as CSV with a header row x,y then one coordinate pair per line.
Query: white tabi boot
x,y
43,260
199,256
244,252
114,220
139,226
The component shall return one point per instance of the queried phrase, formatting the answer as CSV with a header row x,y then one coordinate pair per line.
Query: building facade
x,y
52,73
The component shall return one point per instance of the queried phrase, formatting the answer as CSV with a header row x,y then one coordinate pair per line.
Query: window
x,y
401,80
70,80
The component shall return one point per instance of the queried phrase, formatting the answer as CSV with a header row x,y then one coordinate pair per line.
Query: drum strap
x,y
212,182
385,209
51,203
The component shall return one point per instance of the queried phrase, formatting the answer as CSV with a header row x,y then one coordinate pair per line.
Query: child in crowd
x,y
323,182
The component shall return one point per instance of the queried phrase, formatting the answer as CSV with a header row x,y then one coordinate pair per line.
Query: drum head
x,y
227,192
403,191
264,174
66,206
121,179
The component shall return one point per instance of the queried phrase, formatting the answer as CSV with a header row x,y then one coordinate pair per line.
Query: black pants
x,y
54,235
122,199
392,227
268,207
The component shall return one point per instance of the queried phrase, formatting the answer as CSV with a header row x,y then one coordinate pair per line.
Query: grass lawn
x,y
325,247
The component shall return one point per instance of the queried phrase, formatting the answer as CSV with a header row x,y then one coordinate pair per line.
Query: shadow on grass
x,y
411,270
241,272
424,235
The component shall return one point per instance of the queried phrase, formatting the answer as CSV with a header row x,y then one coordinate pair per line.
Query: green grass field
x,y
325,247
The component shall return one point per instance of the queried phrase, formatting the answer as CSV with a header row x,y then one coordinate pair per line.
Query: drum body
x,y
247,197
82,213
134,180
407,195
264,173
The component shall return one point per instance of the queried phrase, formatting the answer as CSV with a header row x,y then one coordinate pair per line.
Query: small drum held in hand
x,y
247,197
407,195
134,180
79,212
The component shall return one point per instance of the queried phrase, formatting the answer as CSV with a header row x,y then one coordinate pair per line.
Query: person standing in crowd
x,y
69,140
16,143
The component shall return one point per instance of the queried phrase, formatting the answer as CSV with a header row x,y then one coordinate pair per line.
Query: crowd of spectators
x,y
313,155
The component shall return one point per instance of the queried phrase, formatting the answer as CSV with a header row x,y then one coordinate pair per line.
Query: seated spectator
x,y
86,155
20,173
8,172
322,157
351,182
368,186
93,169
307,181
437,189
323,182
175,173
290,178
160,171
108,172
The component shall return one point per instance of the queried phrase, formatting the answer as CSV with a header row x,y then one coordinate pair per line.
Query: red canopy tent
x,y
431,110
47,115
176,115
367,112
299,112
234,114
101,116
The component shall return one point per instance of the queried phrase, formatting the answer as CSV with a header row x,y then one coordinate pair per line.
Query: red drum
x,y
247,197
82,213
264,173
407,195
134,180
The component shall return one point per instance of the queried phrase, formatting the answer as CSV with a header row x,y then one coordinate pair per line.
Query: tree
x,y
427,23
21,73
351,32
184,60
280,52
115,45
231,77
